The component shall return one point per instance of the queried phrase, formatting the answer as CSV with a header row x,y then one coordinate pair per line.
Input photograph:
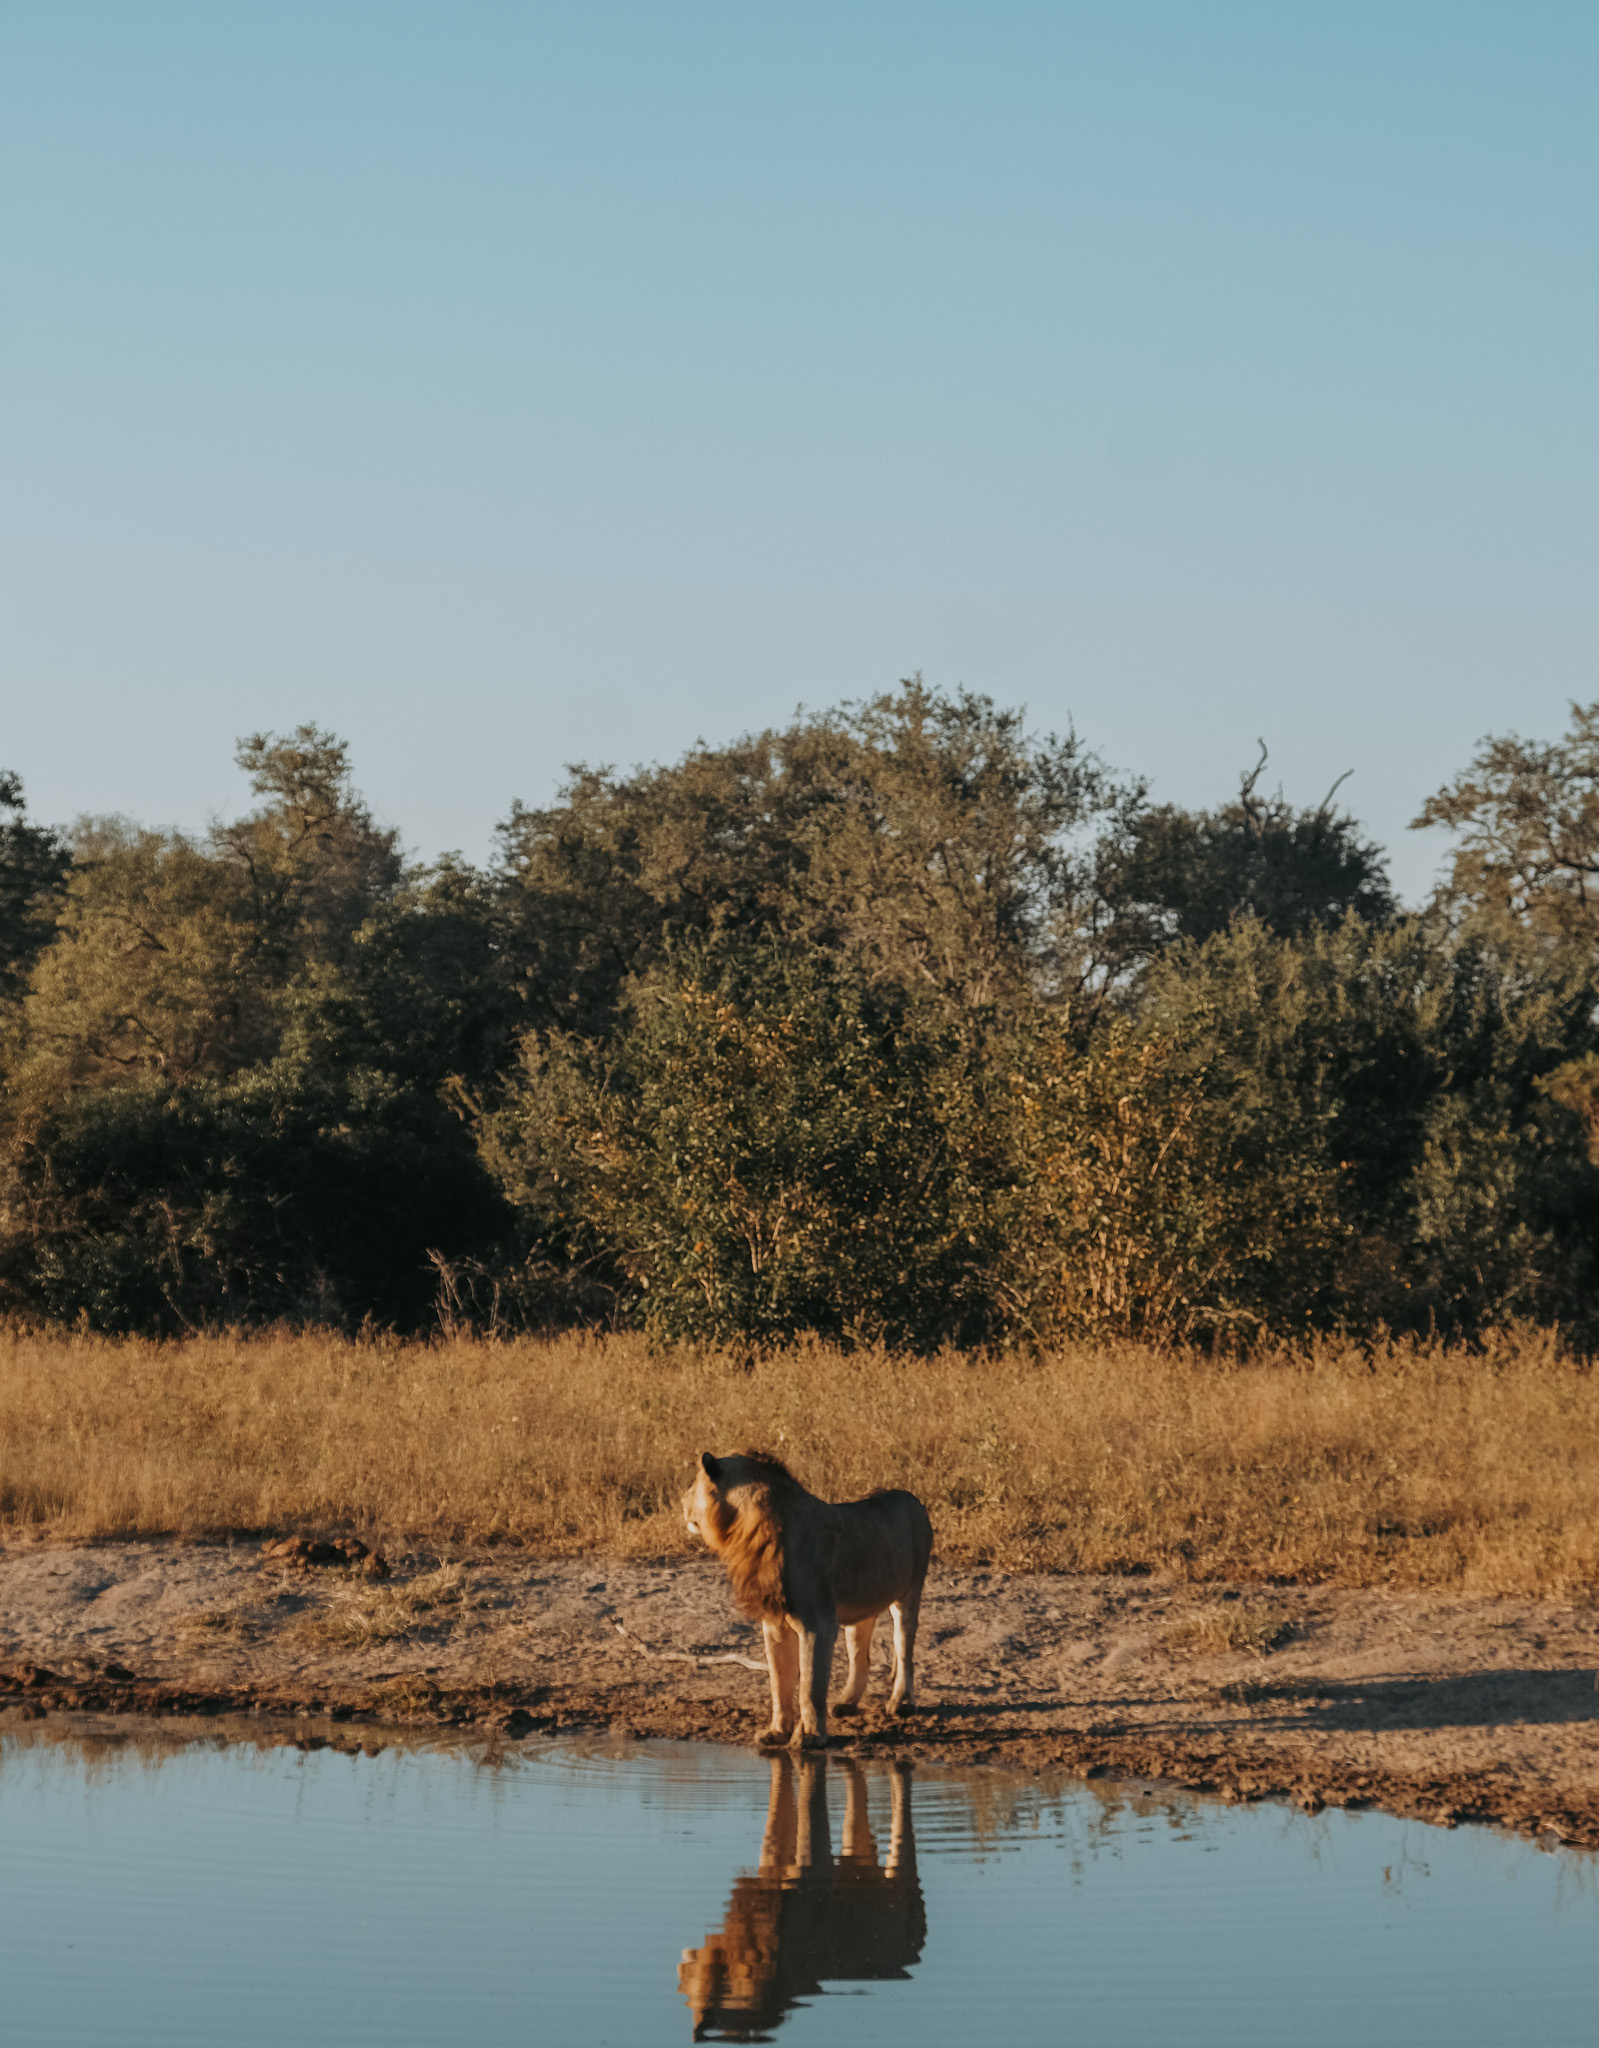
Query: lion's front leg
x,y
815,1673
783,1668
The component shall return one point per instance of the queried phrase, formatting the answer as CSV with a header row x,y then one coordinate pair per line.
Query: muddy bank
x,y
1444,1708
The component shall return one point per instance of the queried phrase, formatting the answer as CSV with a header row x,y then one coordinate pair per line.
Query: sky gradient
x,y
505,386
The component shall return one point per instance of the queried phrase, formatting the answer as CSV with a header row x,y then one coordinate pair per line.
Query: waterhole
x,y
158,1889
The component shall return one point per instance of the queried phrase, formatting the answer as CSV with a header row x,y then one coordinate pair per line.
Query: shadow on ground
x,y
1475,1699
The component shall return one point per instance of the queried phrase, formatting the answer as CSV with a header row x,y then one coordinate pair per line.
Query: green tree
x,y
154,969
175,958
1376,1126
1525,814
929,838
33,861
774,1142
423,990
1171,874
282,1192
778,1140
226,1103
314,863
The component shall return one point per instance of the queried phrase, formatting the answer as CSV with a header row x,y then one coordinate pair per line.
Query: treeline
x,y
900,1024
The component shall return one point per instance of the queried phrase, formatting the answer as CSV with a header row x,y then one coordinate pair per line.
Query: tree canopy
x,y
902,1023
1177,874
33,862
1525,815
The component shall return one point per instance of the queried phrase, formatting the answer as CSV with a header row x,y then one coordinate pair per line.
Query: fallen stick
x,y
685,1657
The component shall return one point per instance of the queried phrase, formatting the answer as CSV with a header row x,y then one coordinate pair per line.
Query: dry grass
x,y
238,1621
1227,1627
358,1616
220,1624
1417,1466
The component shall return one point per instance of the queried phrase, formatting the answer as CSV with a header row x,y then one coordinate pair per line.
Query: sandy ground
x,y
1448,1708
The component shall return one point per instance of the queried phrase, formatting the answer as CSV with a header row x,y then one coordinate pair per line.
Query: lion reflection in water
x,y
805,1917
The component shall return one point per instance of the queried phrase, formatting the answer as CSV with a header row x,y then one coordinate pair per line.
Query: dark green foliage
x,y
775,1142
899,1024
931,839
422,992
226,1099
280,1193
33,861
1526,819
1175,874
1373,1107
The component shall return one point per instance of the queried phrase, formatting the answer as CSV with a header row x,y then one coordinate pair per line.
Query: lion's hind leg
x,y
858,1640
902,1700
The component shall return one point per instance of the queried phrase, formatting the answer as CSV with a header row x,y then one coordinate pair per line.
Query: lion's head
x,y
736,1505
722,1485
704,1504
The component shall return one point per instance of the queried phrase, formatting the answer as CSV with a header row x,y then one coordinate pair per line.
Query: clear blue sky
x,y
506,385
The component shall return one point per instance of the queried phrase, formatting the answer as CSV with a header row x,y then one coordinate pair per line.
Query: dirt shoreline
x,y
1445,1708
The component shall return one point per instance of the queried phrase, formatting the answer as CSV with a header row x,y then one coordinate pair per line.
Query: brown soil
x,y
1447,1708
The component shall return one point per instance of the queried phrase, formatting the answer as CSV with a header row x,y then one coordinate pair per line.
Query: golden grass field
x,y
1414,1465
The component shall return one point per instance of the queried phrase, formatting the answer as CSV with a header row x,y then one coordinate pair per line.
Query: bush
x,y
774,1144
1374,1130
276,1194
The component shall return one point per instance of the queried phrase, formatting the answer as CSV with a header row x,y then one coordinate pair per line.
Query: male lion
x,y
802,1568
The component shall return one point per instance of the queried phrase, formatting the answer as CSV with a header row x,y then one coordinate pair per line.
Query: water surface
x,y
155,1892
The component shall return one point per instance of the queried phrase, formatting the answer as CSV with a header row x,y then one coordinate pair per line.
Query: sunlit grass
x,y
219,1624
1410,1465
356,1617
1227,1626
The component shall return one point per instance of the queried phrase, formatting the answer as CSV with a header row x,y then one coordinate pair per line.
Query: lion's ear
x,y
711,1467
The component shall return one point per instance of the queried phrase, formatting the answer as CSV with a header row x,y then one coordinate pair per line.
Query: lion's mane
x,y
751,1533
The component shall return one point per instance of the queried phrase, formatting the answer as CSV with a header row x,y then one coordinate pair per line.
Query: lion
x,y
803,1568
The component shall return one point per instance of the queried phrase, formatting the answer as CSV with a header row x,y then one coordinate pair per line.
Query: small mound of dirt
x,y
306,1552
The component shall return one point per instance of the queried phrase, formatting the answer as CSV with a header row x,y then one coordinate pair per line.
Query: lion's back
x,y
905,1512
881,1547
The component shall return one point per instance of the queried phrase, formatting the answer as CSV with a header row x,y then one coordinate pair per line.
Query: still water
x,y
155,1892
